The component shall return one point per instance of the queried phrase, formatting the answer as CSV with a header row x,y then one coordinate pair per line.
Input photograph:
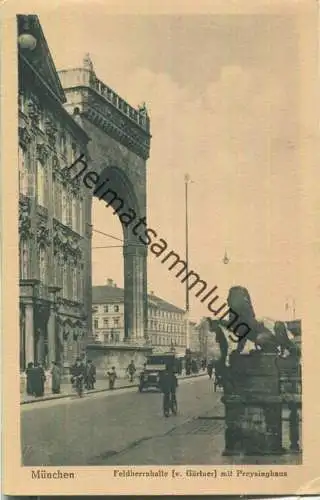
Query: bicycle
x,y
169,403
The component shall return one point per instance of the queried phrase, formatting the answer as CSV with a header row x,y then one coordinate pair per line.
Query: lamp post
x,y
187,181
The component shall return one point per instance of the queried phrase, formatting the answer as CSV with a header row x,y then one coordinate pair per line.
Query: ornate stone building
x,y
166,328
55,238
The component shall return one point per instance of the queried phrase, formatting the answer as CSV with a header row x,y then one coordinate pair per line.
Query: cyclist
x,y
168,384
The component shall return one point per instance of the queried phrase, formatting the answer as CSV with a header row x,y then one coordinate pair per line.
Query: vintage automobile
x,y
155,364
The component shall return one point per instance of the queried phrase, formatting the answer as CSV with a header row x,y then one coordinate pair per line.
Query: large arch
x,y
134,253
118,151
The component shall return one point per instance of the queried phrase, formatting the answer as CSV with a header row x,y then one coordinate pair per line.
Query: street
x,y
126,427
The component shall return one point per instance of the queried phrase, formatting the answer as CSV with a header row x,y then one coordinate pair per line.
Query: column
x,y
29,332
135,291
52,325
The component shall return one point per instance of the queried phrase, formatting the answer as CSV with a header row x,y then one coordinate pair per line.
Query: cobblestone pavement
x,y
126,427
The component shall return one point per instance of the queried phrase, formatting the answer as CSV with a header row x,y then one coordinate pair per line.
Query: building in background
x,y
195,338
54,238
166,322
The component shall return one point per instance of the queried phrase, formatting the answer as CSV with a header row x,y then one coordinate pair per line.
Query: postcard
x,y
160,247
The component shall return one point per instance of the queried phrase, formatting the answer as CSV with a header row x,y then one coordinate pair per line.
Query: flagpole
x,y
186,179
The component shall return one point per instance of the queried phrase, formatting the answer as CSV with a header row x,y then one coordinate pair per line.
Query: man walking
x,y
169,384
112,377
131,370
90,375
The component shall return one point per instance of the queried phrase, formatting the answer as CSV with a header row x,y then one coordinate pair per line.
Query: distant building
x,y
166,322
194,337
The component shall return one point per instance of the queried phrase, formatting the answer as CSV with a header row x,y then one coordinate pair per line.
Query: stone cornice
x,y
117,125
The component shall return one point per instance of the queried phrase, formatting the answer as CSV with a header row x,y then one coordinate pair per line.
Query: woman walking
x,y
55,378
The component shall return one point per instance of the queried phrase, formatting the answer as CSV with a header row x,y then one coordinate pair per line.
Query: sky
x,y
223,97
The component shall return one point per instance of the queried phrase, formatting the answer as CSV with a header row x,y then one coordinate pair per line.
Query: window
x,y
116,309
116,322
105,309
73,152
105,322
74,210
41,120
63,144
80,230
23,171
117,337
64,282
96,324
24,259
69,210
43,275
64,198
21,102
58,200
75,283
41,184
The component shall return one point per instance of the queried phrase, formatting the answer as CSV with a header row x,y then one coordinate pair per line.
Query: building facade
x,y
166,322
54,236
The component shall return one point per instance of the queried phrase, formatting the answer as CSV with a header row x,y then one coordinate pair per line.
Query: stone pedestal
x,y
253,406
104,357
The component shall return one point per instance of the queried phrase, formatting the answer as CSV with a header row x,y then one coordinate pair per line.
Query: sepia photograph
x,y
160,247
117,367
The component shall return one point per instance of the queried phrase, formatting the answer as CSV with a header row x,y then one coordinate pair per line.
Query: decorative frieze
x,y
66,243
43,233
24,217
119,126
42,152
24,136
51,132
34,111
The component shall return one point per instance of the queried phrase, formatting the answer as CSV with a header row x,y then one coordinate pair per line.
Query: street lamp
x,y
225,259
187,180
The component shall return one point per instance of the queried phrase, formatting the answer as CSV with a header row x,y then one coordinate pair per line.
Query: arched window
x,y
64,283
64,198
75,214
43,268
80,217
23,171
24,259
41,184
75,283
57,199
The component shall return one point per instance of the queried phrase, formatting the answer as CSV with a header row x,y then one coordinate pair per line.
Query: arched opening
x,y
115,213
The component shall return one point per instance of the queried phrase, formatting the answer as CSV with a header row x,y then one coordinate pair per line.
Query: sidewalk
x,y
100,386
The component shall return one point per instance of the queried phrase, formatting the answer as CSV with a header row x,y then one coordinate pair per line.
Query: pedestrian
x,y
90,375
78,373
112,375
55,378
29,388
131,370
38,379
168,385
210,369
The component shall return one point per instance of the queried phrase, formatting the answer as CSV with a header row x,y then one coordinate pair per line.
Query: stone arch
x,y
119,145
119,193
